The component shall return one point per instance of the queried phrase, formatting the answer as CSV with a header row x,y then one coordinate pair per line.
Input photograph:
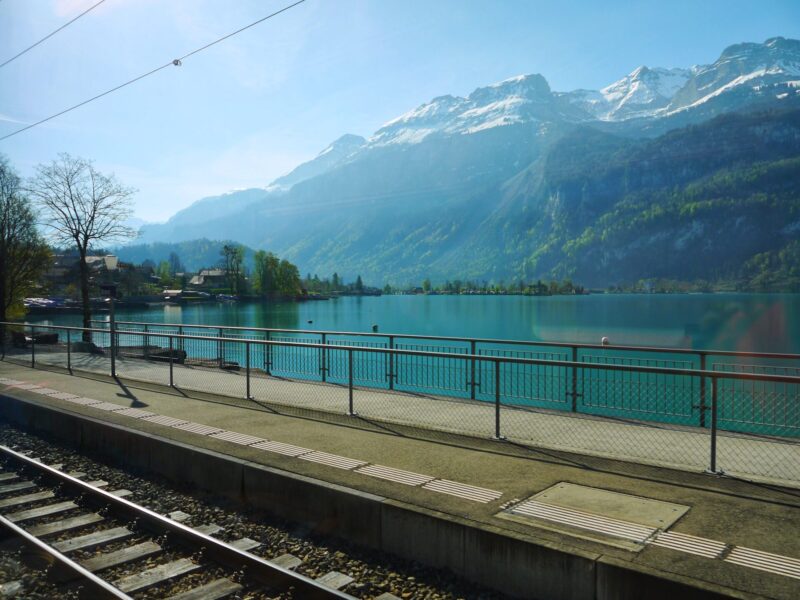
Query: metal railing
x,y
404,376
603,403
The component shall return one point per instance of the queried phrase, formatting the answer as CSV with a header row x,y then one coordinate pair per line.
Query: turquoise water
x,y
745,322
739,322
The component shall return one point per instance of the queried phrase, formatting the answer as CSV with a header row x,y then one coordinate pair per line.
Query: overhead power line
x,y
175,62
51,34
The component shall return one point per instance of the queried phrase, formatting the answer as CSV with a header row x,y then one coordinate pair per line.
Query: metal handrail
x,y
450,355
707,399
634,348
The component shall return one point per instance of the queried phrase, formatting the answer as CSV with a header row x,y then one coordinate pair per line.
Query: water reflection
x,y
765,322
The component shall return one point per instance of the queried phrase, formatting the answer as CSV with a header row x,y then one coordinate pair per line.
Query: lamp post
x,y
111,290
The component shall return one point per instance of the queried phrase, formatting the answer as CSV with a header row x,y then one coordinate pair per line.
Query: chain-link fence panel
x,y
638,440
758,424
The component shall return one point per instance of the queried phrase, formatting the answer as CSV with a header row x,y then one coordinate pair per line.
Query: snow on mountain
x,y
647,92
521,99
645,102
642,93
741,69
337,153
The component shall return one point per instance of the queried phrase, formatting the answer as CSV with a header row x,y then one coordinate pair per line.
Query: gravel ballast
x,y
374,573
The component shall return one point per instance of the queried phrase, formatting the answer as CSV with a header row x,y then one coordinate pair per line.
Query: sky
x,y
253,107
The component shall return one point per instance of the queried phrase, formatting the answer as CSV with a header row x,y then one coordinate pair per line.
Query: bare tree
x,y
23,253
82,207
232,259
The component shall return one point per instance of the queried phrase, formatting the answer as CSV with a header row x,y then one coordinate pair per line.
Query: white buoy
x,y
604,341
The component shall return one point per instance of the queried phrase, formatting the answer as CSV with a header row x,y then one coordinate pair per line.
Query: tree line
x,y
458,286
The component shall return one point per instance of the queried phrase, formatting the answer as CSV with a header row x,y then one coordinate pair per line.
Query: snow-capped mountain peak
x,y
520,99
741,69
641,93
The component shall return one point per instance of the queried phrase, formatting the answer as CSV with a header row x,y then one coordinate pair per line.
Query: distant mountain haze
x,y
681,173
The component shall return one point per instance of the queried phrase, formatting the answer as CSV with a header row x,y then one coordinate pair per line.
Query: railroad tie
x,y
119,557
335,580
209,529
210,591
42,511
287,561
245,544
156,575
179,516
93,539
16,487
64,525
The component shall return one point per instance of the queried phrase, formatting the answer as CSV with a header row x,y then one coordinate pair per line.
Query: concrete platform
x,y
393,487
770,460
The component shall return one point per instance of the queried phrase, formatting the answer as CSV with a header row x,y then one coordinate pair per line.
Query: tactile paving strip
x,y
63,396
281,448
197,428
27,386
765,561
396,475
583,520
45,391
164,420
690,544
136,413
237,438
109,406
333,460
462,490
83,401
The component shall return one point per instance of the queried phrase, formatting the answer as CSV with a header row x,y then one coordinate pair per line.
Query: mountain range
x,y
677,173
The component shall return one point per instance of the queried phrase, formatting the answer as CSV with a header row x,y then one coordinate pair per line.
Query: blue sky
x,y
251,108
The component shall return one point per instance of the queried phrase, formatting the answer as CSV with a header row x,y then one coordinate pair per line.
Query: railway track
x,y
106,546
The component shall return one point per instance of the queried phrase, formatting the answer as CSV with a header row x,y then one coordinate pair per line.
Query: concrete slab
x,y
626,507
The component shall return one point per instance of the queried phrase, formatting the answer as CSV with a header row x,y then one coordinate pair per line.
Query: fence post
x,y
180,340
472,370
33,346
268,360
391,362
702,391
113,346
713,467
247,368
221,349
574,379
69,351
323,368
497,434
171,360
146,339
350,410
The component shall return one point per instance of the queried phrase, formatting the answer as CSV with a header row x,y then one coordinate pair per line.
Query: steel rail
x,y
95,587
262,570
453,356
495,341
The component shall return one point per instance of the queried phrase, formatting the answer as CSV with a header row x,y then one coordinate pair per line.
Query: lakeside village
x,y
168,283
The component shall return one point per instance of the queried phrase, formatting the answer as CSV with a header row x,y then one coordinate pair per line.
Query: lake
x,y
744,322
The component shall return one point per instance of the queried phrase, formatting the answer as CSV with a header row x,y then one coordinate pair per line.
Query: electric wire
x,y
51,34
175,62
